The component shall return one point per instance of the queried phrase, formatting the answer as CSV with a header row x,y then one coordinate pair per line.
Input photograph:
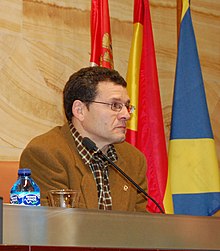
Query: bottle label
x,y
25,198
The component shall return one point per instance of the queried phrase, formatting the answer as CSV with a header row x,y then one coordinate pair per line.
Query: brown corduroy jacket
x,y
56,164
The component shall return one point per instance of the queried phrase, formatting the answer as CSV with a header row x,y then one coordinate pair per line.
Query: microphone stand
x,y
92,146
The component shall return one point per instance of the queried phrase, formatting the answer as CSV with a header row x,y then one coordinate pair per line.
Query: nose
x,y
124,114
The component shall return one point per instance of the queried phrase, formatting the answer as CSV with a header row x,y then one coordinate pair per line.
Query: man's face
x,y
103,125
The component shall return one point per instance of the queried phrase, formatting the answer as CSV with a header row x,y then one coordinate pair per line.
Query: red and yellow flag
x,y
146,128
101,41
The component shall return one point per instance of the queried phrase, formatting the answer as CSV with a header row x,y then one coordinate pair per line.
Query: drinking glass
x,y
64,198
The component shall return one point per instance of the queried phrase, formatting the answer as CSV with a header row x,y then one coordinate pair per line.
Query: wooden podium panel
x,y
44,226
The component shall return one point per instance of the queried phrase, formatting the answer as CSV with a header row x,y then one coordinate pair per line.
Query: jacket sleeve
x,y
47,170
141,202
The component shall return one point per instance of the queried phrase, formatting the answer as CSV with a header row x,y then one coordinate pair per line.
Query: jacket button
x,y
125,188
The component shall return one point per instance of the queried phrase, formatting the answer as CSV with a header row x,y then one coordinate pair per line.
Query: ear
x,y
78,109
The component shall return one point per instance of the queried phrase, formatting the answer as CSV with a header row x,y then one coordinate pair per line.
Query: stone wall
x,y
42,42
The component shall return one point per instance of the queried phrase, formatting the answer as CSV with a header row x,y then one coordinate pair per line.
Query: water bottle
x,y
25,191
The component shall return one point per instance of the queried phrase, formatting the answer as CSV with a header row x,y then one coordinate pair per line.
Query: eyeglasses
x,y
115,106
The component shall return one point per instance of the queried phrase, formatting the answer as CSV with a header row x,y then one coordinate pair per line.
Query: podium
x,y
61,227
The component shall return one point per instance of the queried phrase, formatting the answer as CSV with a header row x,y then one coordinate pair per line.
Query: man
x,y
97,106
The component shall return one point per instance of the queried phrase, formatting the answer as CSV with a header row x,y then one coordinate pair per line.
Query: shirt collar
x,y
86,155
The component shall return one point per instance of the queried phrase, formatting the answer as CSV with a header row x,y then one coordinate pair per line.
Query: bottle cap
x,y
24,171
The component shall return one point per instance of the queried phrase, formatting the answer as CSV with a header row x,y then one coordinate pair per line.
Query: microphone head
x,y
89,144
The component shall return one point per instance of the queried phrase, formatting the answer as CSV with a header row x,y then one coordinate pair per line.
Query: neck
x,y
83,133
104,149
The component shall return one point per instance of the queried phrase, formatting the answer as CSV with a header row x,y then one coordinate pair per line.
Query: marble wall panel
x,y
42,42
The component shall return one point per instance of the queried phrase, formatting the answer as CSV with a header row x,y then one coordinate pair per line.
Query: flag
x,y
193,165
146,128
101,41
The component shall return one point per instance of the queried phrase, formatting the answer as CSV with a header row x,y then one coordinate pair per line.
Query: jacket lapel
x,y
120,187
88,185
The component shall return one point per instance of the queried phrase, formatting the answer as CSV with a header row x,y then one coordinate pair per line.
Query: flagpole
x,y
179,12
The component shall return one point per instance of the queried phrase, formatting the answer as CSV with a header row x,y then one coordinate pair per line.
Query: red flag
x,y
146,129
101,41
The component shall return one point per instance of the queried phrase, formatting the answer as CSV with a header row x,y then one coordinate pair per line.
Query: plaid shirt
x,y
99,168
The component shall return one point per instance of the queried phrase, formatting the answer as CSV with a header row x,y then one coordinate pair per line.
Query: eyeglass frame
x,y
130,108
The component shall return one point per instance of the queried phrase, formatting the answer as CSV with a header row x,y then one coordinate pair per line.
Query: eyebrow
x,y
119,100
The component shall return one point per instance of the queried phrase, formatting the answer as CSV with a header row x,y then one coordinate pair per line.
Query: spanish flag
x,y
101,41
193,166
146,128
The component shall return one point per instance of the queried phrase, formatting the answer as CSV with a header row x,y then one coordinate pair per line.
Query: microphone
x,y
90,145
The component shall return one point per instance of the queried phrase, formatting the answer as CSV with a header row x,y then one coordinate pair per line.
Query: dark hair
x,y
82,85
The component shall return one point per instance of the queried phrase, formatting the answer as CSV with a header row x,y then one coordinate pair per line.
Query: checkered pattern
x,y
99,168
